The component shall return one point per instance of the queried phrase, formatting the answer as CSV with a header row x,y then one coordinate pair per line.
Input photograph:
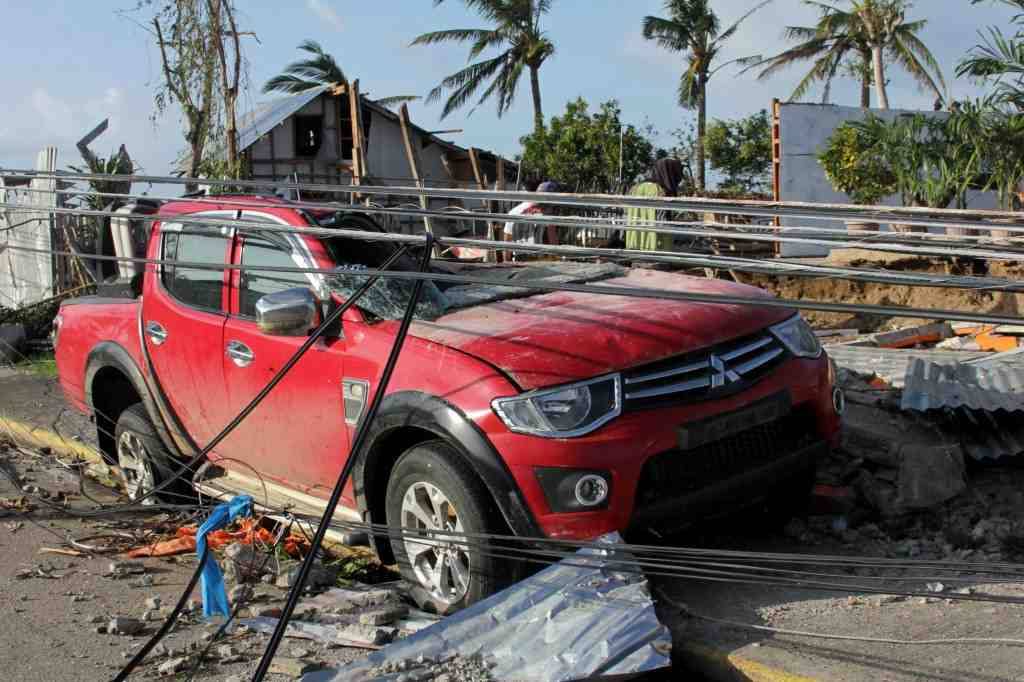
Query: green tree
x,y
932,161
742,151
581,149
854,166
516,29
692,29
856,41
320,68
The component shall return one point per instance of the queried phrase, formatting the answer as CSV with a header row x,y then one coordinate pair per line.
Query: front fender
x,y
412,409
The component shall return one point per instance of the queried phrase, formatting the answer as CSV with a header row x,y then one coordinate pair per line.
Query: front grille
x,y
676,473
709,373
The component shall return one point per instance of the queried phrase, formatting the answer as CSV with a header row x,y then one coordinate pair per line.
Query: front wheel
x,y
432,489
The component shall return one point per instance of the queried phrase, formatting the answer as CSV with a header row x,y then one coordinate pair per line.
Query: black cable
x,y
361,435
168,623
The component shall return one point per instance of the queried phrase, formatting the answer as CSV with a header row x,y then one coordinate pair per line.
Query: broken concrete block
x,y
931,474
172,666
384,616
240,594
122,625
292,667
153,603
242,563
319,576
366,634
120,569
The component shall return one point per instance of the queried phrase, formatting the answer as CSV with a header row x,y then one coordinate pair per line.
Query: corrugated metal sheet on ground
x,y
891,364
262,120
988,387
989,435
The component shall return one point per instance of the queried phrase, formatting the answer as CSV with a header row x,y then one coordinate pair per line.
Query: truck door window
x,y
196,287
257,283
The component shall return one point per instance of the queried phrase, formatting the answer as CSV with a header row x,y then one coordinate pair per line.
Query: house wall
x,y
273,155
804,130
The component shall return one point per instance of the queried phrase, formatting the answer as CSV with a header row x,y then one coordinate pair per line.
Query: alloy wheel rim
x,y
136,470
439,562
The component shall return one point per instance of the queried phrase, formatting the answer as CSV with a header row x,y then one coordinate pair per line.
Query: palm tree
x,y
858,40
320,69
1000,59
692,29
516,28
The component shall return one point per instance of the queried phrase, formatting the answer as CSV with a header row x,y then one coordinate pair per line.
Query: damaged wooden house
x,y
333,135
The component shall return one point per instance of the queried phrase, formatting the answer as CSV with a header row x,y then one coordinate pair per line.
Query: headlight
x,y
565,411
798,337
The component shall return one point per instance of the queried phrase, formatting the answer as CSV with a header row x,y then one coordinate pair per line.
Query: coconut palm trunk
x,y
878,67
702,125
538,112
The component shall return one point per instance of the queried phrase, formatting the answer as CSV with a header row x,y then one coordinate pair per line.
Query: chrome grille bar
x,y
685,369
754,363
682,387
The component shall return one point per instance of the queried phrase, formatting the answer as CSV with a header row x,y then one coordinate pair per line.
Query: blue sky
x,y
71,64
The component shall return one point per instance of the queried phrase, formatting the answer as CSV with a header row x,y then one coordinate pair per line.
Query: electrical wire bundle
x,y
719,566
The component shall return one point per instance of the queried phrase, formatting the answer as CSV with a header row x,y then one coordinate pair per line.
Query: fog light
x,y
838,400
591,490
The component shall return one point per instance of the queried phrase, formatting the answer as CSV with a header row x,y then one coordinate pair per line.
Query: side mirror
x,y
292,312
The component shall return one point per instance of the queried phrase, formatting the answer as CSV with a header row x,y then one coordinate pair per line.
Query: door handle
x,y
156,332
239,353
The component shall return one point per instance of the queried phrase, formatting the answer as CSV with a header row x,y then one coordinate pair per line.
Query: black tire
x,y
135,421
437,464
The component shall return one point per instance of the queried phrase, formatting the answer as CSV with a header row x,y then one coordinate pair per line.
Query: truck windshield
x,y
388,298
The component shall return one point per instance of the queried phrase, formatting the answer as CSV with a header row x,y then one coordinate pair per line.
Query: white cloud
x,y
325,12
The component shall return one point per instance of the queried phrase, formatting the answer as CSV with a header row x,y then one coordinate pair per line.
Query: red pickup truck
x,y
560,414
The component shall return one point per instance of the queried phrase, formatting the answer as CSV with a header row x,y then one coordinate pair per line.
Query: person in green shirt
x,y
663,182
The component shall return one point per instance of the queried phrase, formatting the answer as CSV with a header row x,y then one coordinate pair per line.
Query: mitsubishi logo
x,y
720,376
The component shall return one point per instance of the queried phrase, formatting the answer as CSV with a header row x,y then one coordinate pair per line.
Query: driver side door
x,y
297,435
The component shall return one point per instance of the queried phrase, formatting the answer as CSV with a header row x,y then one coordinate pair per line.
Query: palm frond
x,y
728,33
395,100
667,33
689,88
452,35
287,83
917,60
464,83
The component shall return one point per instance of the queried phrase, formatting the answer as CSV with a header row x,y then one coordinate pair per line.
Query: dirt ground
x,y
55,603
847,291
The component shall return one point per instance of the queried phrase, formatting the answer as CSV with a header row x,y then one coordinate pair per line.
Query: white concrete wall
x,y
804,131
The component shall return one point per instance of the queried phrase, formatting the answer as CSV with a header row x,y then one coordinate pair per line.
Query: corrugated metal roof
x,y
989,387
891,364
989,435
264,117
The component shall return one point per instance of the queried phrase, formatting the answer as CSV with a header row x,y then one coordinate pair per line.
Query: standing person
x,y
528,233
663,181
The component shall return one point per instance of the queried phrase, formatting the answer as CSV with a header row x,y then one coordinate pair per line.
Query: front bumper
x,y
625,447
752,487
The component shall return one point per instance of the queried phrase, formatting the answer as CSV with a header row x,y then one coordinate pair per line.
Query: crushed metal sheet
x,y
574,620
990,387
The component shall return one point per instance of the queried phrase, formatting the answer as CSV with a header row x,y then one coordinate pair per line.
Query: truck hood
x,y
563,336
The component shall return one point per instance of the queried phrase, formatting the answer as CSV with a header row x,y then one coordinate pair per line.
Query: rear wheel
x,y
432,489
144,461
